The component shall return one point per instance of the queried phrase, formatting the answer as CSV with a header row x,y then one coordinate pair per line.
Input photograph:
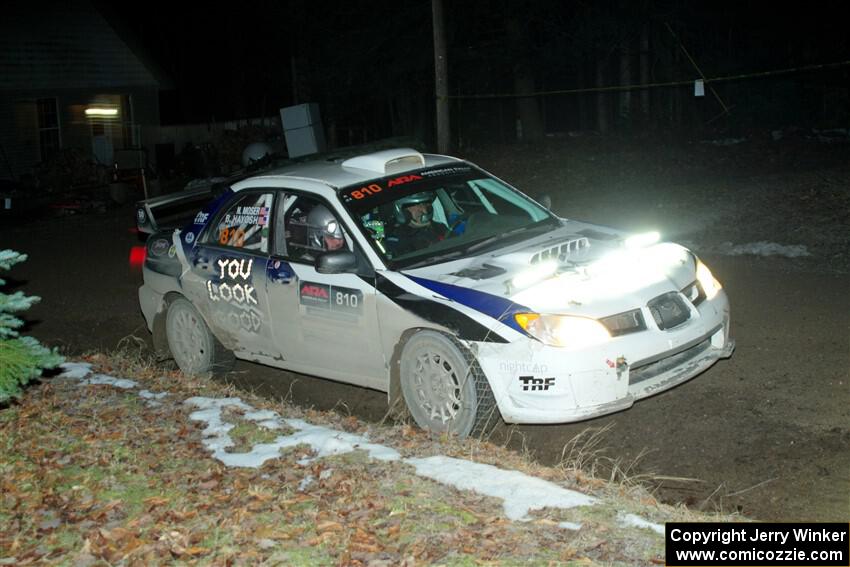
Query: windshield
x,y
441,213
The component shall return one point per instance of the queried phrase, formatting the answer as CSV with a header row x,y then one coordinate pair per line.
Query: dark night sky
x,y
234,60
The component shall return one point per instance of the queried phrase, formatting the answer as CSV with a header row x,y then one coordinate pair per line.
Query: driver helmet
x,y
403,214
324,231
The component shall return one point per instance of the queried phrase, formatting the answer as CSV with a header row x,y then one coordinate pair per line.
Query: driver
x,y
324,231
416,229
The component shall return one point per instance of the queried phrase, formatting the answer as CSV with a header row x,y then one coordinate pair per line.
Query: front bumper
x,y
535,383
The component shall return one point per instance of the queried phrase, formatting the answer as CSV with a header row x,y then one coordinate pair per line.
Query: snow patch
x,y
148,395
78,370
322,440
632,520
326,442
104,379
521,493
764,248
725,141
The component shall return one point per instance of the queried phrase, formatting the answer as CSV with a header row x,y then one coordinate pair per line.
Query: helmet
x,y
256,152
322,223
403,215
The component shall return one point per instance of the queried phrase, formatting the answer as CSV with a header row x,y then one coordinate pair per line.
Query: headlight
x,y
708,282
563,330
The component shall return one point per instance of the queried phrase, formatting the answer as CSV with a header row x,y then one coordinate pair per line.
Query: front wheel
x,y
443,388
192,344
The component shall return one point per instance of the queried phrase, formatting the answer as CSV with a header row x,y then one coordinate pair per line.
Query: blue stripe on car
x,y
498,308
439,313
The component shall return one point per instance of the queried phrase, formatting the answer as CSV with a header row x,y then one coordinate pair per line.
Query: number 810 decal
x,y
330,297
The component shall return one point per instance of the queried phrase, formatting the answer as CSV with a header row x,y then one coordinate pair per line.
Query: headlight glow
x,y
642,240
706,279
563,330
534,274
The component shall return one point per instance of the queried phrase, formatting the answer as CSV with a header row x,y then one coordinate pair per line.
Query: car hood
x,y
579,268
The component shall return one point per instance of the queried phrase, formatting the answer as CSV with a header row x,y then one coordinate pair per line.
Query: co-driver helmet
x,y
321,223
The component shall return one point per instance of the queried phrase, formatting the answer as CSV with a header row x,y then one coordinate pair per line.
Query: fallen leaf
x,y
328,526
363,547
155,501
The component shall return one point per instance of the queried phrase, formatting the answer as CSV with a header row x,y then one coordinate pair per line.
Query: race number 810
x,y
346,299
364,192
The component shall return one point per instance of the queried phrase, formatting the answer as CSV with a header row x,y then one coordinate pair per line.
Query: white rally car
x,y
428,278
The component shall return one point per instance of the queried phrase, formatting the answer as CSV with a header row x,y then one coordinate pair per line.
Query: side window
x,y
245,224
310,227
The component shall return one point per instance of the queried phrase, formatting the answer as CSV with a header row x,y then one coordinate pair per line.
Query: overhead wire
x,y
639,86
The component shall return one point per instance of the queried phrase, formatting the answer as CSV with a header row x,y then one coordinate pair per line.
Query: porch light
x,y
101,111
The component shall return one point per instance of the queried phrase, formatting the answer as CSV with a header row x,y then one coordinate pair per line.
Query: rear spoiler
x,y
171,211
175,210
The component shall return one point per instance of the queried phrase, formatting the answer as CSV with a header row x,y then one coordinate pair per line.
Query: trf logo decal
x,y
536,384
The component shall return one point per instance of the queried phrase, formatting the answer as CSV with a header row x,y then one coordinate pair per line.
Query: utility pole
x,y
442,78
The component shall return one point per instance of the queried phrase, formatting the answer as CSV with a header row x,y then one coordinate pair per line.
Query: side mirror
x,y
545,200
337,262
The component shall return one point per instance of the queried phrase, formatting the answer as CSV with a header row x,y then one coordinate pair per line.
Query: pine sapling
x,y
21,358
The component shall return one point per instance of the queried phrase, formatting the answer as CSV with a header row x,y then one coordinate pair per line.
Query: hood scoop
x,y
575,248
482,272
598,235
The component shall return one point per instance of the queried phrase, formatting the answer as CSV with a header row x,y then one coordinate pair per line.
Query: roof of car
x,y
339,173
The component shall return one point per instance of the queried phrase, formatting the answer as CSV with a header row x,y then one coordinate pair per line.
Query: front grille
x,y
624,323
653,369
694,293
669,310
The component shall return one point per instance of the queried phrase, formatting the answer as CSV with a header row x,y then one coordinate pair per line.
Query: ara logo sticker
x,y
403,179
315,294
332,298
536,384
190,237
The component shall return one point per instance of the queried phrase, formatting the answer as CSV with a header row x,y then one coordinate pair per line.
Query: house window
x,y
48,127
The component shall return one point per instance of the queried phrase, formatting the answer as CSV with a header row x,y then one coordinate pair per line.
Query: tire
x,y
192,344
444,388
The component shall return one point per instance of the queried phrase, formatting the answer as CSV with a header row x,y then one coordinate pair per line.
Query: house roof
x,y
67,45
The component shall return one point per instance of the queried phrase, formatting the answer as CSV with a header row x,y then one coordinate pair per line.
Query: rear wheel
x,y
193,346
443,387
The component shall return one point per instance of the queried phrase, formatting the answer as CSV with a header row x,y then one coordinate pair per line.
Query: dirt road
x,y
766,432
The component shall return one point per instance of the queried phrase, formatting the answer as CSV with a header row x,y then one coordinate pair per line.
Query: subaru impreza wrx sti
x,y
428,278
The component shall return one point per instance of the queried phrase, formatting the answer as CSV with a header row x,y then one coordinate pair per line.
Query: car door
x,y
226,273
324,324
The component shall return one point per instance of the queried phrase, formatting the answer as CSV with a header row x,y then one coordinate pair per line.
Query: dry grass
x,y
352,511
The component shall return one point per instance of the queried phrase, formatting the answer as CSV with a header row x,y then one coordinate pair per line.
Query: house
x,y
70,84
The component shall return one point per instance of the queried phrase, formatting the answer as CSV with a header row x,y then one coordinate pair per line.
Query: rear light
x,y
137,256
